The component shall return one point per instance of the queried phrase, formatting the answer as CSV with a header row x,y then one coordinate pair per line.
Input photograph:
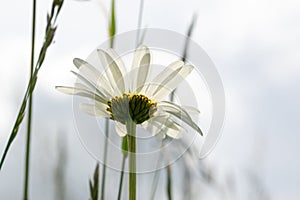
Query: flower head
x,y
121,96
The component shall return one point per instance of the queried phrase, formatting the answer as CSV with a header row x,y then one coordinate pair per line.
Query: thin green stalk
x,y
131,130
112,24
27,159
186,46
169,182
121,178
104,159
49,35
112,32
140,19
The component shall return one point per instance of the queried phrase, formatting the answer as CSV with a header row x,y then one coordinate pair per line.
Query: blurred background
x,y
255,47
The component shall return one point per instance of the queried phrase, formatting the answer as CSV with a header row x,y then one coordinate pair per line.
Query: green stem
x,y
104,159
26,180
131,130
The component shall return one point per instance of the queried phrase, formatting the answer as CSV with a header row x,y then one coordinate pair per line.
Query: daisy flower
x,y
124,96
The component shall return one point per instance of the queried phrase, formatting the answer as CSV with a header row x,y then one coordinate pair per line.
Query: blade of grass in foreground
x,y
49,35
26,180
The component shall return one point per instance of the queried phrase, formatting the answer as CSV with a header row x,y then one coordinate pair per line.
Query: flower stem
x,y
131,130
26,180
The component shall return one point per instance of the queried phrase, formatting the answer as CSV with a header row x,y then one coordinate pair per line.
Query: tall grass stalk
x,y
121,178
139,26
186,47
27,159
49,35
169,183
125,154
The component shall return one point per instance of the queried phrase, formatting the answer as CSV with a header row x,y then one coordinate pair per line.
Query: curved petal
x,y
179,113
140,67
191,109
91,74
173,129
163,125
171,82
94,110
113,72
81,92
154,129
176,134
119,61
91,86
151,87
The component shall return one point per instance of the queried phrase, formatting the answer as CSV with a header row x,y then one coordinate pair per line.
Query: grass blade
x,y
94,185
26,180
112,24
139,39
169,183
186,46
49,35
112,32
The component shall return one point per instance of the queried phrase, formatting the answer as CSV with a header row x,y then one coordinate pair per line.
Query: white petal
x,y
179,113
81,92
113,72
94,110
173,129
176,134
171,82
151,88
155,129
90,85
93,75
163,125
140,67
120,129
119,61
192,110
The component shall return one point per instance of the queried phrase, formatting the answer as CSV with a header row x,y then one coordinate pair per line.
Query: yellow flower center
x,y
135,107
